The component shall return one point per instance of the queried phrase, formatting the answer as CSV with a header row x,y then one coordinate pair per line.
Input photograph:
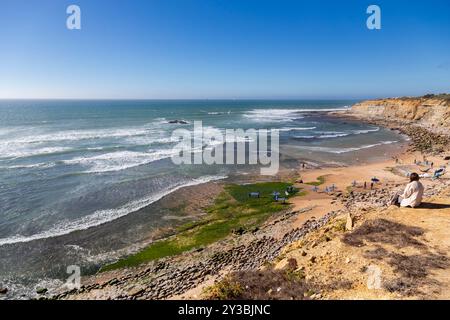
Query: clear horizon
x,y
215,50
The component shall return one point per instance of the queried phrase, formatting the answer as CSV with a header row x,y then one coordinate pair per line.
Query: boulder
x,y
136,291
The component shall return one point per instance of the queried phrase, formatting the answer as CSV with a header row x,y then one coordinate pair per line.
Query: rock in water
x,y
3,290
178,122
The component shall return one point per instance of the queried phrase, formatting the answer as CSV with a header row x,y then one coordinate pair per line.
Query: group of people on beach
x,y
411,196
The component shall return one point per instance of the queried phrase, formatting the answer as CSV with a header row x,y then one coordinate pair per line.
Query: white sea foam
x,y
103,216
271,115
366,130
75,135
116,161
148,140
41,165
21,152
335,134
305,137
296,129
283,115
345,150
214,113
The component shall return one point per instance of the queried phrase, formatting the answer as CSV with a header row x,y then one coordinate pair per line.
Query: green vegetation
x,y
438,96
268,284
233,210
339,226
227,289
320,181
441,96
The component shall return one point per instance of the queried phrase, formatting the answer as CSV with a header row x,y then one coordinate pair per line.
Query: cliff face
x,y
429,111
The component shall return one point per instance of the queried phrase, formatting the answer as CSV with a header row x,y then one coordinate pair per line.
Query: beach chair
x,y
254,195
438,173
277,198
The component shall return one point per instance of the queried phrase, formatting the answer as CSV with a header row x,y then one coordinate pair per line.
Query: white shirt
x,y
413,194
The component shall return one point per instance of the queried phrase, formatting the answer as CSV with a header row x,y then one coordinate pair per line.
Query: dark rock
x,y
239,231
292,264
255,229
178,122
3,290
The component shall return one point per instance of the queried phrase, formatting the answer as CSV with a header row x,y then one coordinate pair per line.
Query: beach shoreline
x,y
307,214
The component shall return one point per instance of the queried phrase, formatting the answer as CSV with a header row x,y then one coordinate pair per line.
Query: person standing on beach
x,y
412,195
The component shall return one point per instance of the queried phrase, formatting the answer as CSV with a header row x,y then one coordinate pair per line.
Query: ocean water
x,y
81,180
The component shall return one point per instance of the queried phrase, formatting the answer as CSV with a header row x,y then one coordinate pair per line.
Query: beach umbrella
x,y
375,179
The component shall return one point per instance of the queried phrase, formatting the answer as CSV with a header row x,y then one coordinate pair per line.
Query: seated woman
x,y
413,194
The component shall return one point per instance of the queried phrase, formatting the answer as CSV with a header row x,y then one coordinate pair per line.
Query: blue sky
x,y
223,49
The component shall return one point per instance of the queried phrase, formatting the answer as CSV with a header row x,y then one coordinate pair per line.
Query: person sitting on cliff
x,y
412,195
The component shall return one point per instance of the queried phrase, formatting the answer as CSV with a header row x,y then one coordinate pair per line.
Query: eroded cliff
x,y
431,111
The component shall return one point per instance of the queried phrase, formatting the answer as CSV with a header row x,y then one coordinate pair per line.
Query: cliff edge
x,y
429,111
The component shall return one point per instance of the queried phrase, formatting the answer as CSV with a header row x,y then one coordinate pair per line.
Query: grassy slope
x,y
233,210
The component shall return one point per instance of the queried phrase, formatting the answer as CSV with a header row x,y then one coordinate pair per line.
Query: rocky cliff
x,y
430,111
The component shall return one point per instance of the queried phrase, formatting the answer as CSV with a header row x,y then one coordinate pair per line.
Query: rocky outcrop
x,y
430,111
176,275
